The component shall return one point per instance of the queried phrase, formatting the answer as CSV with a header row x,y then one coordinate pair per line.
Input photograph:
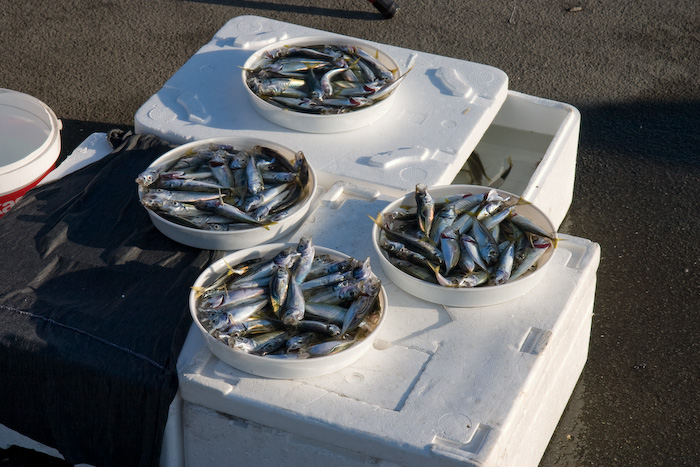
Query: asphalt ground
x,y
631,67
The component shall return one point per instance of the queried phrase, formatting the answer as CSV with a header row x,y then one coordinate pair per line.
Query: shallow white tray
x,y
271,367
483,295
243,236
352,119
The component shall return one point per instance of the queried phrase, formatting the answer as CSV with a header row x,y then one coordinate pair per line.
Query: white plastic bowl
x,y
243,236
484,295
270,367
315,123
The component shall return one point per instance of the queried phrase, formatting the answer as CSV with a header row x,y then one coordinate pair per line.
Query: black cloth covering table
x,y
93,312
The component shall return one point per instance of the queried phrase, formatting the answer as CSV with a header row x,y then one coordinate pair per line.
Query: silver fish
x,y
306,79
301,342
219,167
329,347
294,305
302,267
450,249
255,181
361,306
530,257
444,219
473,279
488,248
231,310
252,326
261,344
472,248
319,327
192,185
222,299
426,208
332,313
279,284
486,244
529,226
151,174
227,210
424,247
504,266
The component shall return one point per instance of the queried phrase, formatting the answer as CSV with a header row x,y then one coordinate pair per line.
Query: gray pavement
x,y
631,67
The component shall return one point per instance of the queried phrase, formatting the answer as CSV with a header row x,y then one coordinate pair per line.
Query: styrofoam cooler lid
x,y
30,136
439,113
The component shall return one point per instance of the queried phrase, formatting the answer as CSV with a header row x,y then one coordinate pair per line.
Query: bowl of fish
x,y
464,245
227,193
288,310
321,84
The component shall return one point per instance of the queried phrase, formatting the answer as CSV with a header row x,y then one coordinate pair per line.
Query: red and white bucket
x,y
30,144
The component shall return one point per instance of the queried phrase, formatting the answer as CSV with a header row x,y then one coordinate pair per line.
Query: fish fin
x,y
404,73
523,202
439,277
231,271
378,220
502,178
556,240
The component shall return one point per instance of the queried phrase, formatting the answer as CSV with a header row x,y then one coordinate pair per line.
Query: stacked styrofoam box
x,y
442,386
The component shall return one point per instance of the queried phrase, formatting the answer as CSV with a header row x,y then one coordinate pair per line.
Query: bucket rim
x,y
42,112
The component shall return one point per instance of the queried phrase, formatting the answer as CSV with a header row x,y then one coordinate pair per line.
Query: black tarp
x,y
93,312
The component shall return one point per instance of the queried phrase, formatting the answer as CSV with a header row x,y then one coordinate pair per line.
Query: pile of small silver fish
x,y
322,79
222,187
463,240
296,304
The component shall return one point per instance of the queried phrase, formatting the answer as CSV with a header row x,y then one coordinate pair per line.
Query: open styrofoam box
x,y
441,386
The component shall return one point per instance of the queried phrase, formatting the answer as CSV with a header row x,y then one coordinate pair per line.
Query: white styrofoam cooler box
x,y
441,386
444,109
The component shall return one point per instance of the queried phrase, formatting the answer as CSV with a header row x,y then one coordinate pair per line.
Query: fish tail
x,y
379,220
199,290
523,202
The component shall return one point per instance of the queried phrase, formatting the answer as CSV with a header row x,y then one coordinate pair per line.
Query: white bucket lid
x,y
29,139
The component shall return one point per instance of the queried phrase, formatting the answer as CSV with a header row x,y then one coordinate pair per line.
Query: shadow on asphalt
x,y
366,14
644,129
